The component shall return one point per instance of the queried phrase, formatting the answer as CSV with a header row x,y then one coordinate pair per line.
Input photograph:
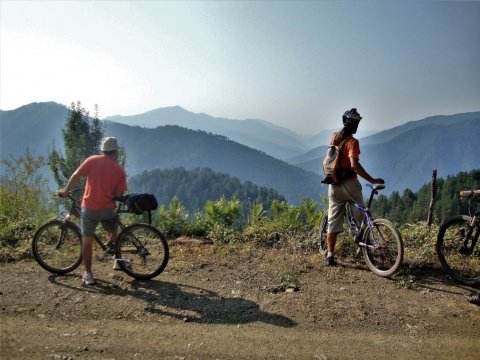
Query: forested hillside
x,y
195,187
409,206
167,147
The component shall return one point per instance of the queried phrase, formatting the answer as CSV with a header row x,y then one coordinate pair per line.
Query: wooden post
x,y
432,198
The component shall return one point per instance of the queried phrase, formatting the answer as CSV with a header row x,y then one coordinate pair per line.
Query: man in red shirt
x,y
349,188
106,179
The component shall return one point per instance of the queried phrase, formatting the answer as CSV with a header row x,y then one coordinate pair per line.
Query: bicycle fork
x,y
372,231
63,234
465,248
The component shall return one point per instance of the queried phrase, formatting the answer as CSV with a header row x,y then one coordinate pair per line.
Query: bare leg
x,y
112,236
331,240
87,252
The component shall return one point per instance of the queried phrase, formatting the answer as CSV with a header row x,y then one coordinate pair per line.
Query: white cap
x,y
109,144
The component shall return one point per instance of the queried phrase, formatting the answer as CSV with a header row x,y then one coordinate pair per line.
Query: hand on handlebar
x,y
63,194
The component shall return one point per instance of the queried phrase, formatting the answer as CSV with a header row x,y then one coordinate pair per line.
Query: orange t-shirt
x,y
105,179
350,149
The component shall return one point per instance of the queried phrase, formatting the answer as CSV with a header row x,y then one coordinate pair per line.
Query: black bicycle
x,y
457,244
379,239
140,250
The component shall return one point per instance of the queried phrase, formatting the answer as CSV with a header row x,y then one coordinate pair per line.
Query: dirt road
x,y
235,304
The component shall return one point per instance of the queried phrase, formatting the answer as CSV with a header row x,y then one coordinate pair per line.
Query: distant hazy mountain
x,y
38,126
35,126
258,134
405,156
449,144
389,134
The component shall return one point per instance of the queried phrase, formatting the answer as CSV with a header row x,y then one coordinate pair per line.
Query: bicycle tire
x,y
146,249
322,234
461,266
387,258
57,246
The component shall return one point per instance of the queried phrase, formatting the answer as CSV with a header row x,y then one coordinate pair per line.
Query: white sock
x,y
329,253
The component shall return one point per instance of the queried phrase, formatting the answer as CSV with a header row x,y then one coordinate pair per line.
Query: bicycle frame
x,y
474,224
467,249
367,219
75,212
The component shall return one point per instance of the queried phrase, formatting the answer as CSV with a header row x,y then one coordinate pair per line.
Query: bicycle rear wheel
x,y
322,234
143,251
57,246
383,252
459,255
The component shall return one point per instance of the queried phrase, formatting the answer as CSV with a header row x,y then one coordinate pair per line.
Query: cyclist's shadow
x,y
188,303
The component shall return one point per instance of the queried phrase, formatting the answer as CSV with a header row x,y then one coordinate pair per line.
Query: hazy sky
x,y
297,64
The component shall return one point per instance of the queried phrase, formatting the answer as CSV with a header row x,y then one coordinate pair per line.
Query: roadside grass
x,y
293,251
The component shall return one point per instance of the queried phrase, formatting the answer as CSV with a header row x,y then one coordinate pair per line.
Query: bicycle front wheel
x,y
458,249
383,249
57,246
143,251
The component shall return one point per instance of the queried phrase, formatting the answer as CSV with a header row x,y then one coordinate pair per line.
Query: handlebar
x,y
376,186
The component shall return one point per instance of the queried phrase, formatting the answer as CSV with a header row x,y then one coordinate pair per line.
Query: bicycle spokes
x,y
146,248
383,249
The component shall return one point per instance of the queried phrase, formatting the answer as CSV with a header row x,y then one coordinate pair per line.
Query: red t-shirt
x,y
105,179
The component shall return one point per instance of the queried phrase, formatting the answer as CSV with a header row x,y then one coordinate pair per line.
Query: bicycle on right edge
x,y
457,244
379,240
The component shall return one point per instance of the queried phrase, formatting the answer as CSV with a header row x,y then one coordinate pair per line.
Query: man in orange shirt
x,y
349,188
106,179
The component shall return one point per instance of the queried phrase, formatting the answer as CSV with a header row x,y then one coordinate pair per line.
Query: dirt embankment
x,y
238,304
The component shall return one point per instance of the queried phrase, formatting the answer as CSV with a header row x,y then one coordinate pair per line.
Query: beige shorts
x,y
338,196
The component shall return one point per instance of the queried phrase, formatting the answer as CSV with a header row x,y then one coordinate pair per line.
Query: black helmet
x,y
351,117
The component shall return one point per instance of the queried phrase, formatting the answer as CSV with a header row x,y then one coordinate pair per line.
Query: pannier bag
x,y
138,203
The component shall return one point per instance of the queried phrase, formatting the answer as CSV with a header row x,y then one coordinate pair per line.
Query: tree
x,y
22,188
81,137
22,198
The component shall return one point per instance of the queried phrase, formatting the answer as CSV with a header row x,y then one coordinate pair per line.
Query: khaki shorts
x,y
338,196
90,218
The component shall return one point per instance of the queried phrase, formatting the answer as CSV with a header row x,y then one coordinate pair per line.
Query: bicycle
x,y
457,242
379,239
141,250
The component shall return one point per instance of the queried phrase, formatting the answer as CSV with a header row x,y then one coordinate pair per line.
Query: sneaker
x,y
88,279
330,261
474,299
116,265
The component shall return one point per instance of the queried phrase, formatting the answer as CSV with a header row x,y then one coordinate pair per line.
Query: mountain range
x,y
173,137
273,140
406,155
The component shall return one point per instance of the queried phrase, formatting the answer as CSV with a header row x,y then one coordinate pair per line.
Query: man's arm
x,y
355,164
74,179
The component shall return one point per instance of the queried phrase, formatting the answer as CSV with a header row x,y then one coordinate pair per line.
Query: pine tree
x,y
81,137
